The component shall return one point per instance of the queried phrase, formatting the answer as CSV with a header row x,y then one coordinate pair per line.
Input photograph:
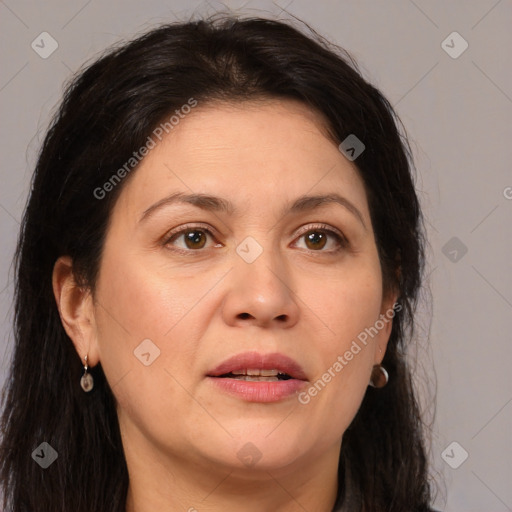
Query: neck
x,y
169,483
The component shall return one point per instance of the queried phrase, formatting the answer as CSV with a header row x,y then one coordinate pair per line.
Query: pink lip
x,y
259,391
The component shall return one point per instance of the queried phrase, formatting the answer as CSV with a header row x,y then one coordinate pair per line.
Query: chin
x,y
260,449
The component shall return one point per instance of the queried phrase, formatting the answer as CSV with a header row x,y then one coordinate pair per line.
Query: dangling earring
x,y
87,382
379,376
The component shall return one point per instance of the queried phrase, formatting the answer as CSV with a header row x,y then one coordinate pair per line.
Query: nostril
x,y
244,316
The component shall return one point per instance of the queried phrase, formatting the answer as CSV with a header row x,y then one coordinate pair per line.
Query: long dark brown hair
x,y
108,111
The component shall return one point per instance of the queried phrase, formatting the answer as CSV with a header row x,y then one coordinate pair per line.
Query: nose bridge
x,y
261,288
260,264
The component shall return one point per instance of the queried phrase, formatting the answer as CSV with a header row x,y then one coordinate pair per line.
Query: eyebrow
x,y
217,204
203,201
307,203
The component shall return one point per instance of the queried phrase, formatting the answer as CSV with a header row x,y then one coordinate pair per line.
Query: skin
x,y
181,434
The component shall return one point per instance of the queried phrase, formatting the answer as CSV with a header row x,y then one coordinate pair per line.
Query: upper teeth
x,y
257,373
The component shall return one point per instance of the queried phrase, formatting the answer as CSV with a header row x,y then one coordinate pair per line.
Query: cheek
x,y
139,301
346,301
140,316
349,305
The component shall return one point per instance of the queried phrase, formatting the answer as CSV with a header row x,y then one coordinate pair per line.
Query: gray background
x,y
457,112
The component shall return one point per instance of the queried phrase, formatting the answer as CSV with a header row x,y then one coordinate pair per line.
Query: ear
x,y
387,314
76,309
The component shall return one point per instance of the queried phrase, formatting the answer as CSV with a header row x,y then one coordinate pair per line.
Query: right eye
x,y
193,238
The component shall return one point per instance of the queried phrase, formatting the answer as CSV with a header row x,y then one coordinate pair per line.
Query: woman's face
x,y
216,261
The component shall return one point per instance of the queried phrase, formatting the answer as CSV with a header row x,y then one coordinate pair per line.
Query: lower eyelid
x,y
341,238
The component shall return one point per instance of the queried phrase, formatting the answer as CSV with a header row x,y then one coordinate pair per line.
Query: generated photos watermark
x,y
137,156
343,360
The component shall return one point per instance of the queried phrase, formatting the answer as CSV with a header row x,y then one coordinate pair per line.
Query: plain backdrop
x,y
456,104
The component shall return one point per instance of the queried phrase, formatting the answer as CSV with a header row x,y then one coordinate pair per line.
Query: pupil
x,y
194,237
318,239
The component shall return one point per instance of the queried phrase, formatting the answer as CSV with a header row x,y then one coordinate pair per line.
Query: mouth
x,y
255,377
262,367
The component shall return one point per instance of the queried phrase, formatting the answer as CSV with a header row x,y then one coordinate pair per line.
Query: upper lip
x,y
257,361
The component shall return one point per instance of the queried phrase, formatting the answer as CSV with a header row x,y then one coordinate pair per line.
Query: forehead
x,y
245,151
269,124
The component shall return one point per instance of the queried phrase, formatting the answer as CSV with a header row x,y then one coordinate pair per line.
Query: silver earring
x,y
379,376
87,382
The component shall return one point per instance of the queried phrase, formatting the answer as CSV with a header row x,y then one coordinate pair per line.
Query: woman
x,y
217,275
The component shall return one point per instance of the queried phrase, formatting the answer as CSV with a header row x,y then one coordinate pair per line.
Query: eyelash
x,y
323,228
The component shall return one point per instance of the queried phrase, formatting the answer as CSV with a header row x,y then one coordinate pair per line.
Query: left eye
x,y
316,239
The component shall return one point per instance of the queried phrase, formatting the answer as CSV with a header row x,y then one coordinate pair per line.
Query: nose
x,y
260,293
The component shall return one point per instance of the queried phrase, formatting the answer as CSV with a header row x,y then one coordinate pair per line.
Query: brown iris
x,y
195,239
316,240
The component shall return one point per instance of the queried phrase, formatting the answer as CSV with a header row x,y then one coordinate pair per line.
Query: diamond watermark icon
x,y
249,454
454,249
44,45
454,455
249,250
146,352
351,147
454,45
45,455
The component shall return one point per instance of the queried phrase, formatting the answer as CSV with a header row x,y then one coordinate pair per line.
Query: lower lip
x,y
251,391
